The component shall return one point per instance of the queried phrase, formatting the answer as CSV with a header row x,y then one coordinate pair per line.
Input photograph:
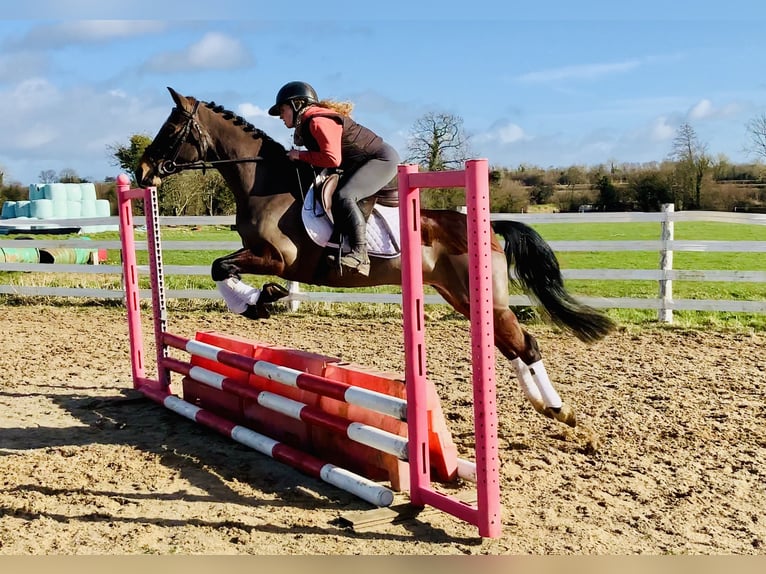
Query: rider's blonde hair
x,y
343,108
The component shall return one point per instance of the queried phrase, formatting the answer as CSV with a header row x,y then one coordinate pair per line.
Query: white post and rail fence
x,y
664,274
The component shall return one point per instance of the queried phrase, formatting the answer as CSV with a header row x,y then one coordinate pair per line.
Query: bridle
x,y
171,166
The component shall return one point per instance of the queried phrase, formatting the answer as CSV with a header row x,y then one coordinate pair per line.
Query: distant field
x,y
743,261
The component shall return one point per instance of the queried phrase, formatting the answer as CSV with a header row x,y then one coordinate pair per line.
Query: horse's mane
x,y
270,148
245,125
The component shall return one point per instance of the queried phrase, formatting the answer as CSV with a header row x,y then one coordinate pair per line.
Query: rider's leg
x,y
367,180
357,231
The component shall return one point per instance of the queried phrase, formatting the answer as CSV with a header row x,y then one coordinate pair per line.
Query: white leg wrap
x,y
540,376
526,383
237,294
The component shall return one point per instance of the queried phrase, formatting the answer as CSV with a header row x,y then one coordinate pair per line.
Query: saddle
x,y
326,182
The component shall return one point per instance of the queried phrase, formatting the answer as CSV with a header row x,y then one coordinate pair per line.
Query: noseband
x,y
204,143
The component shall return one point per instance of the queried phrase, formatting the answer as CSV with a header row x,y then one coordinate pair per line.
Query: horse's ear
x,y
178,98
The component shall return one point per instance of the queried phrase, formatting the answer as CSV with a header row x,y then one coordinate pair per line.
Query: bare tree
x,y
438,142
756,129
180,195
69,175
692,163
47,176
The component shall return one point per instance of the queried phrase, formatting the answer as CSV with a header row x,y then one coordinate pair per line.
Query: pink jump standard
x,y
234,373
486,515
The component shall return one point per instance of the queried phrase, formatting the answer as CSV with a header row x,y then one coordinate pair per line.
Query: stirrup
x,y
356,261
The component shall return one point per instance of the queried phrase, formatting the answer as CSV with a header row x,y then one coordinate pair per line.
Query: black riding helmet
x,y
292,91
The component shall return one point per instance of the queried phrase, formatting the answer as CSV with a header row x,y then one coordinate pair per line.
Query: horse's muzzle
x,y
147,176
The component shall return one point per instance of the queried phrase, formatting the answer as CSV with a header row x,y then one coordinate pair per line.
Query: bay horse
x,y
269,187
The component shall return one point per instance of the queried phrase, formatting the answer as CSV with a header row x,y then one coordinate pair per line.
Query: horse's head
x,y
203,135
181,141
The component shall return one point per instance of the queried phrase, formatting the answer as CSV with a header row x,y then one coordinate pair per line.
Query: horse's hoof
x,y
257,311
565,414
272,292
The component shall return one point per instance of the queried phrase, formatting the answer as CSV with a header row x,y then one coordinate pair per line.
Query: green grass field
x,y
569,260
742,261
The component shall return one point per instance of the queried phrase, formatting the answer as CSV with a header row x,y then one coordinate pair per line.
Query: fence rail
x,y
664,274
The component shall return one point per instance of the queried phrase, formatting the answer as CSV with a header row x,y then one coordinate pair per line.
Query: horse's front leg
x,y
240,297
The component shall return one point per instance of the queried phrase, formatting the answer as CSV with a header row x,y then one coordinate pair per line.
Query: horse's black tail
x,y
540,277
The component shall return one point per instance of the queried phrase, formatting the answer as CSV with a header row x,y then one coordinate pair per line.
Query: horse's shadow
x,y
208,461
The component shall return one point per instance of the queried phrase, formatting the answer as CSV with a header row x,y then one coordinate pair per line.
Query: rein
x,y
171,166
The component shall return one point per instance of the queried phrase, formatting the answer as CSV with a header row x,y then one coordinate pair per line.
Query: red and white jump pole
x,y
358,432
158,389
365,398
486,515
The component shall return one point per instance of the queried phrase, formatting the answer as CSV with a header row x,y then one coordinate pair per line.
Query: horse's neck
x,y
272,175
244,178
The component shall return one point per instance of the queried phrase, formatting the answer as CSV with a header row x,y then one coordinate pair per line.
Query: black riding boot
x,y
357,259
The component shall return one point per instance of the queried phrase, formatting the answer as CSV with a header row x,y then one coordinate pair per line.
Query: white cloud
x,y
583,72
248,110
14,67
503,132
214,47
260,117
704,109
29,95
701,110
36,137
70,9
510,133
215,51
662,130
48,127
84,32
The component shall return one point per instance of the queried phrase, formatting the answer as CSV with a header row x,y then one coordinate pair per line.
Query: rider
x,y
333,140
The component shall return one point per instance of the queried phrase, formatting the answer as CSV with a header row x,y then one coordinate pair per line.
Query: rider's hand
x,y
293,154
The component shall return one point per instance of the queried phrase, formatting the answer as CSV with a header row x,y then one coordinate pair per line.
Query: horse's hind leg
x,y
516,344
522,350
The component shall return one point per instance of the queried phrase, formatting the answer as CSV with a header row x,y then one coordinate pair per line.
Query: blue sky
x,y
548,84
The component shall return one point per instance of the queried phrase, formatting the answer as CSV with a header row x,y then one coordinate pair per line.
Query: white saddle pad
x,y
383,239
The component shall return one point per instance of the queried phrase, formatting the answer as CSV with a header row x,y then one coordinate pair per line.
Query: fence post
x,y
293,287
665,314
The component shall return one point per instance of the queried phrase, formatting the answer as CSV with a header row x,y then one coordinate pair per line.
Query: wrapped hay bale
x,y
36,191
9,210
103,209
88,191
88,208
22,208
41,208
73,192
